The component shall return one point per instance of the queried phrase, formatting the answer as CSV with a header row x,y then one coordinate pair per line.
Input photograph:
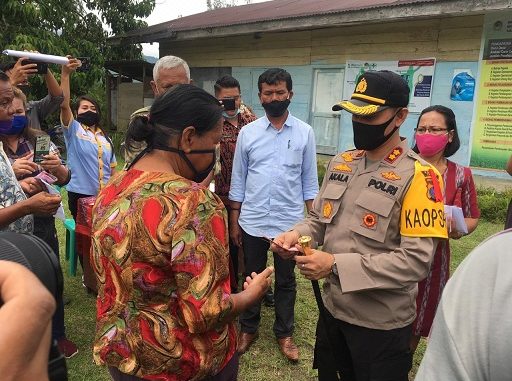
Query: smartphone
x,y
229,104
271,241
42,67
42,148
86,64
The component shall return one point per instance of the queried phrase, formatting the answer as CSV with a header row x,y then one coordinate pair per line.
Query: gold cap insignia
x,y
390,176
327,209
342,168
361,86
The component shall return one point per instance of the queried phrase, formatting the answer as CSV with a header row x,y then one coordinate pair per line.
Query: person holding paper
x,y
436,139
17,142
15,208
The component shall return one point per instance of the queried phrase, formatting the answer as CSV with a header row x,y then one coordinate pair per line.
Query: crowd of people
x,y
168,252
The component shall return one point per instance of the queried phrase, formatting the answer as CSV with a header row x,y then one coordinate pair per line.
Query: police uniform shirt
x,y
382,223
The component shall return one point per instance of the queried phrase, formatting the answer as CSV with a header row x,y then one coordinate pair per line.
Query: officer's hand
x,y
316,265
285,244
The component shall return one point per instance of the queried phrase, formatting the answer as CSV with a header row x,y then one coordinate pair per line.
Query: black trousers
x,y
361,354
285,287
44,228
73,202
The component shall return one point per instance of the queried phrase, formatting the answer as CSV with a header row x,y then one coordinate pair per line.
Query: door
x,y
327,90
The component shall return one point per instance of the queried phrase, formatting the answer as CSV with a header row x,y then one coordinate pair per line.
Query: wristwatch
x,y
334,268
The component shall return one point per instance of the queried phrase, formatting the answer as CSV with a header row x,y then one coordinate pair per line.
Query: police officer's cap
x,y
376,91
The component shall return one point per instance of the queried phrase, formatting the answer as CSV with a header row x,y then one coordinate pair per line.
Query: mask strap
x,y
181,153
394,129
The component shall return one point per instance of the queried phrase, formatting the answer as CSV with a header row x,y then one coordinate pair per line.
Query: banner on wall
x,y
492,126
419,74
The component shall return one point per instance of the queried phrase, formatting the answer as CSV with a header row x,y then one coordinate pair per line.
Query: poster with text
x,y
419,75
492,125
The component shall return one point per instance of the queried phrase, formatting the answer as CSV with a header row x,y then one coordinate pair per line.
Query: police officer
x,y
379,215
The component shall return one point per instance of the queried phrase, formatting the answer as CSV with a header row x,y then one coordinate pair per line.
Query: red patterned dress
x,y
459,191
161,259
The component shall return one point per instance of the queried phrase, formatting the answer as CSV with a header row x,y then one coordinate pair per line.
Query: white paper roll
x,y
48,58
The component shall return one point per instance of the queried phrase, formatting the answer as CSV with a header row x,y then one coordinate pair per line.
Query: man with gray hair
x,y
167,72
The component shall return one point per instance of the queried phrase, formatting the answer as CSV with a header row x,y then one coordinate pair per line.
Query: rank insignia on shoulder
x,y
347,156
395,154
370,220
327,209
390,176
342,168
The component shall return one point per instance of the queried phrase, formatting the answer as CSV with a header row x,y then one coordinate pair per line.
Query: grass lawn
x,y
264,361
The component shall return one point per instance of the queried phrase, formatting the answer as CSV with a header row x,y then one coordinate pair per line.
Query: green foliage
x,y
77,28
493,204
321,168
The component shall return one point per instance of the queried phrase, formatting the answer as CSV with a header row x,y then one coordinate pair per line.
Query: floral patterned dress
x,y
459,191
161,260
10,194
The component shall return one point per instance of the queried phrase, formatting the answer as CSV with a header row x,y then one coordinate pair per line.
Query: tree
x,y
216,4
79,28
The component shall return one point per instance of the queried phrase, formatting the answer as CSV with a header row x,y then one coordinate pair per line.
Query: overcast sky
x,y
166,10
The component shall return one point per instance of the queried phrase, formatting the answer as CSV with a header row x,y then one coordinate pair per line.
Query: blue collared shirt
x,y
90,158
274,172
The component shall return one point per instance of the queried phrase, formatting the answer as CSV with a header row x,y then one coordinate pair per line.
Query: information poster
x,y
419,75
492,129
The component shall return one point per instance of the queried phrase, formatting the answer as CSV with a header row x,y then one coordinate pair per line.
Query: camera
x,y
33,253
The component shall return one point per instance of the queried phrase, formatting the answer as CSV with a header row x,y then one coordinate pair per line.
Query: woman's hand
x,y
31,186
71,66
24,165
258,284
51,163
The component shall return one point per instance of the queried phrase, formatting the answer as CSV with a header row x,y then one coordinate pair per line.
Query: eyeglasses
x,y
431,130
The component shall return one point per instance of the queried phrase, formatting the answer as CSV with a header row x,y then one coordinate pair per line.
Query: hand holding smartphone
x,y
229,104
41,148
42,68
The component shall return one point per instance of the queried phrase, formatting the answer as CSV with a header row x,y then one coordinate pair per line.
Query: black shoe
x,y
268,299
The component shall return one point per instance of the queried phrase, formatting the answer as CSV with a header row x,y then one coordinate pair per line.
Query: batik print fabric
x,y
161,259
227,150
10,194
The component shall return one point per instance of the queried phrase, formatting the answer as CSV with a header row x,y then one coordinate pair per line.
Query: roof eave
x,y
371,15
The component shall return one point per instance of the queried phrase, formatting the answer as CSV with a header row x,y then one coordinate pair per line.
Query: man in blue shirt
x,y
274,174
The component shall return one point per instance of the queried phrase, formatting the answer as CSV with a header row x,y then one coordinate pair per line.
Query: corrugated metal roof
x,y
267,11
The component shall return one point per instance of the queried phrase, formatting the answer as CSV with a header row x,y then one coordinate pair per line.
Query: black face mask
x,y
88,118
199,176
276,109
369,137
